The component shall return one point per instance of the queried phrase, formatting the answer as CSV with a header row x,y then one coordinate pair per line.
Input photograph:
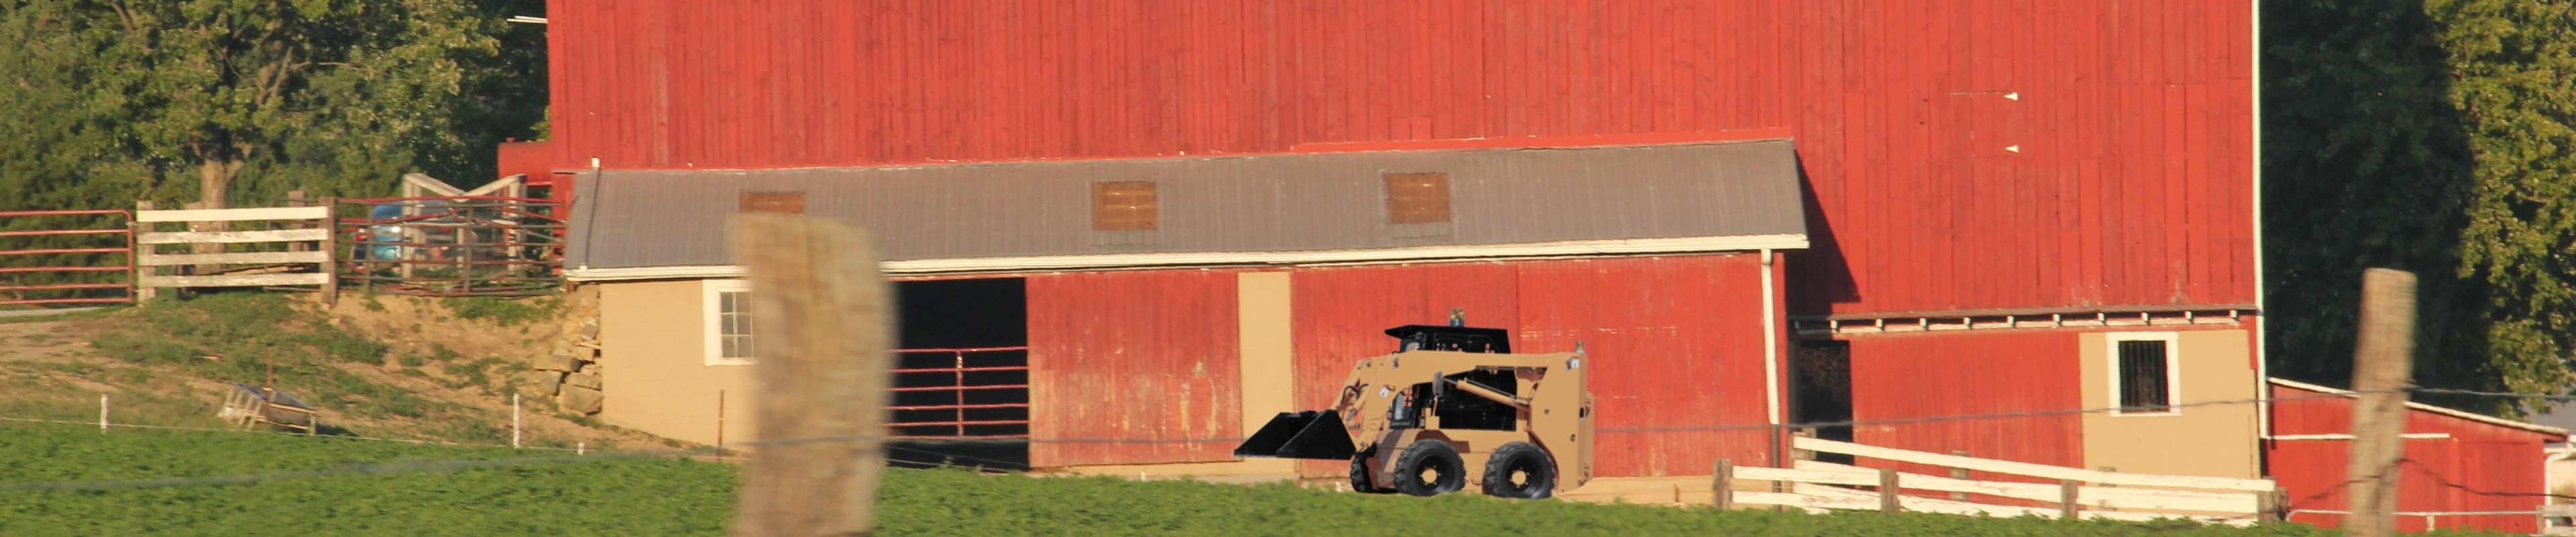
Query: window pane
x,y
731,347
2143,382
726,302
742,324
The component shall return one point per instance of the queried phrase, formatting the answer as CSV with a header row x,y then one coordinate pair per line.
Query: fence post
x,y
1960,474
2383,364
816,286
330,251
720,425
2267,507
2066,499
580,448
102,413
134,233
1722,486
1887,498
514,421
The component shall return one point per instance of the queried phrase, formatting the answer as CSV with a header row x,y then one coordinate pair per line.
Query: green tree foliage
x,y
2431,136
218,100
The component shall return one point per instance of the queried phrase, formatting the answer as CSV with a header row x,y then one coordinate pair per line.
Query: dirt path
x,y
42,341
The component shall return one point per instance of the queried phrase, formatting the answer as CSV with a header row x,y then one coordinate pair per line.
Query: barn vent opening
x,y
961,373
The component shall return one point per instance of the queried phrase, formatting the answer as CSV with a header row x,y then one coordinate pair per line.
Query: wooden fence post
x,y
2066,500
1722,486
1960,474
825,377
2383,365
1887,497
330,251
142,272
2267,508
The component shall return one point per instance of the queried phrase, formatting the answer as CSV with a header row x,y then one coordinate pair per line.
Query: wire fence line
x,y
911,442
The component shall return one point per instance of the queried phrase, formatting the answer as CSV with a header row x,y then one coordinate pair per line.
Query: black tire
x,y
1359,473
1429,456
1536,468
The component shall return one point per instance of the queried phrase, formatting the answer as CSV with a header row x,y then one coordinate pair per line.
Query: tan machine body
x,y
1523,419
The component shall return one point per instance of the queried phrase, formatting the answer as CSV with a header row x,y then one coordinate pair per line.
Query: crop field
x,y
659,496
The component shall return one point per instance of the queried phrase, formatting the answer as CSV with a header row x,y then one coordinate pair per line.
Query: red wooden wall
x,y
2481,467
1900,377
1133,356
1676,343
2131,184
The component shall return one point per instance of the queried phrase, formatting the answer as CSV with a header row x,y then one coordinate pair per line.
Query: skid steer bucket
x,y
1300,435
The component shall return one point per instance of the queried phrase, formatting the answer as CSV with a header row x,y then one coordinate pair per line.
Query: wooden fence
x,y
2093,494
294,239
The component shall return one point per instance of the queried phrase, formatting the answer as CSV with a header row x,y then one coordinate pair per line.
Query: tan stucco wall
x,y
653,344
2211,440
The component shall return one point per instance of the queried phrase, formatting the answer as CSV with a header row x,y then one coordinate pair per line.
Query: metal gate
x,y
59,257
980,392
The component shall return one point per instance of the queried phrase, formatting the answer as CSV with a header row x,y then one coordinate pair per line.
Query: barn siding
x,y
2131,184
1903,377
2482,467
1133,356
1677,342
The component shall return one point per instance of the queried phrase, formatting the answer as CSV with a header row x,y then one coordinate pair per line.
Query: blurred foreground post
x,y
2383,366
824,353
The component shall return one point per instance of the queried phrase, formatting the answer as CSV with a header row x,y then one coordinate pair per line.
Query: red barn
x,y
1161,221
2460,470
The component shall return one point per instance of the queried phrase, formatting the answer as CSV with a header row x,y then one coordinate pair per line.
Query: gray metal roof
x,y
1264,203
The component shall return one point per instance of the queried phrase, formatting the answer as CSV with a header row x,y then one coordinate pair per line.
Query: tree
x,y
252,97
2431,137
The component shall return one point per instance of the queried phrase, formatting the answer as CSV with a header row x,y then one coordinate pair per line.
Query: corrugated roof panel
x,y
1275,203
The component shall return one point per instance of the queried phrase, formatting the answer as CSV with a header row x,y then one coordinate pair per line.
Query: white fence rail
x,y
2079,492
307,232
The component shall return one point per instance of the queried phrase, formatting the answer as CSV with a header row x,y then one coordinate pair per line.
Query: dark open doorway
x,y
961,378
1822,391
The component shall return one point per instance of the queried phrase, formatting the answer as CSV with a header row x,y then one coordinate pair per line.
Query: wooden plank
x,y
237,280
234,215
208,237
1803,500
2100,497
1832,496
161,260
2036,470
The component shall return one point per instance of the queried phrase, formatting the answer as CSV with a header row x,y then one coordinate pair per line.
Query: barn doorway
x,y
1822,391
961,374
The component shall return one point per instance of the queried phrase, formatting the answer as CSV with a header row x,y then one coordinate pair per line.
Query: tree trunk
x,y
214,177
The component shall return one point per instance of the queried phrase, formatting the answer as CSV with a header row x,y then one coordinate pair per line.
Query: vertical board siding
x,y
2481,467
1133,356
1964,154
1905,377
1675,341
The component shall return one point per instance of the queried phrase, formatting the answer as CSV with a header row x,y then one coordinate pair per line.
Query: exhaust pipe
x,y
1313,434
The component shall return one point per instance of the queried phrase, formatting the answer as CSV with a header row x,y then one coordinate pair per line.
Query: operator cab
x,y
1413,337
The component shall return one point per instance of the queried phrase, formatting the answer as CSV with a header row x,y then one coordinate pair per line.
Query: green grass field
x,y
656,496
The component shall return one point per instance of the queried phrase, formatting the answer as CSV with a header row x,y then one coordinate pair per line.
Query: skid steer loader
x,y
1452,407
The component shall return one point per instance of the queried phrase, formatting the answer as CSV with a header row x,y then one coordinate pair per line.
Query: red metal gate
x,y
980,392
66,257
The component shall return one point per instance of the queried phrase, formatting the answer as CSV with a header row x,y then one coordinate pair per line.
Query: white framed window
x,y
2146,373
728,322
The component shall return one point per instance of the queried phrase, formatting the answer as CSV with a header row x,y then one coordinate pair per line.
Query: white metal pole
x,y
102,413
514,421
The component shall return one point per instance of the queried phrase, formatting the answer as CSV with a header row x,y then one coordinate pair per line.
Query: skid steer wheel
x,y
1359,473
1520,470
1428,468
